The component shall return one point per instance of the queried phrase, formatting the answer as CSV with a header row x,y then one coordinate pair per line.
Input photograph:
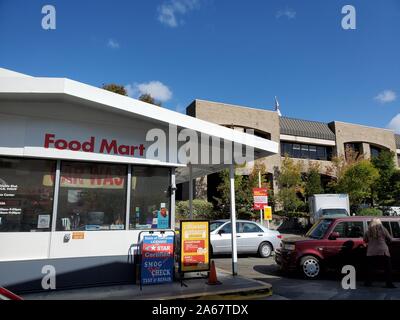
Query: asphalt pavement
x,y
293,287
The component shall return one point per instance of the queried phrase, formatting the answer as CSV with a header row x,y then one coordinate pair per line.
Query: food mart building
x,y
79,179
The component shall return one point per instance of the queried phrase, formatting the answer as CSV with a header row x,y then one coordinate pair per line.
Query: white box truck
x,y
322,205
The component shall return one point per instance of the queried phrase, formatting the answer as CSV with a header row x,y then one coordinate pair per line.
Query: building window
x,y
296,151
305,151
287,149
375,151
26,194
352,150
92,197
322,153
313,152
150,198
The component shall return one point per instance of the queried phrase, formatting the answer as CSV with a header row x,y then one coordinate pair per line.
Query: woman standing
x,y
378,254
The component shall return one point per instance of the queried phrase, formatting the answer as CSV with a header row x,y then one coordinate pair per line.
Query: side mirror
x,y
221,232
334,236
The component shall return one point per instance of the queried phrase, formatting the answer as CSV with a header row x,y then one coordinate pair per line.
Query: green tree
x,y
395,183
116,88
357,181
149,99
383,187
313,184
242,195
243,192
290,184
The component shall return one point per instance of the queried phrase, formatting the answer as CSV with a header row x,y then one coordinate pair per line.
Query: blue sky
x,y
239,52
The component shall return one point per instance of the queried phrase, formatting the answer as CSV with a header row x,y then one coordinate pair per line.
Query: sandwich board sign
x,y
157,261
195,246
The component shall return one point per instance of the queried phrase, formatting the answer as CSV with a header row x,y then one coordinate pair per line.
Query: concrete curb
x,y
260,289
234,294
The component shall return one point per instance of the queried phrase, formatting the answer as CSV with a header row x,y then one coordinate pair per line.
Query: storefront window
x,y
26,194
92,197
150,199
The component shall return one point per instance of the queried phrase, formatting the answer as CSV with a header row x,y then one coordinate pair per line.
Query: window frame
x,y
350,222
92,163
53,215
251,223
132,205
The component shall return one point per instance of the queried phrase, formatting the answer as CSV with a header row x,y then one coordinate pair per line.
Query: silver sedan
x,y
251,238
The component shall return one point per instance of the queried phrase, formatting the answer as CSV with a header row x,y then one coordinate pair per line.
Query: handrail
x,y
8,295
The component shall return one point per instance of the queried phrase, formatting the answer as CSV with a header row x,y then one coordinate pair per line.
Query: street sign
x,y
268,213
195,245
260,198
157,259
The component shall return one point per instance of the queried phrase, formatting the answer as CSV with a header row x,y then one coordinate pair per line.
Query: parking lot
x,y
292,287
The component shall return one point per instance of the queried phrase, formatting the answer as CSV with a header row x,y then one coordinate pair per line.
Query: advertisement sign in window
x,y
195,245
163,217
157,259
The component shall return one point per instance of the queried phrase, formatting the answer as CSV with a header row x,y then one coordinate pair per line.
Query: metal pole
x,y
261,211
173,195
128,202
55,204
190,191
233,220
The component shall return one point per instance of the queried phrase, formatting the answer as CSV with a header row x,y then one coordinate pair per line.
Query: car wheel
x,y
310,267
265,250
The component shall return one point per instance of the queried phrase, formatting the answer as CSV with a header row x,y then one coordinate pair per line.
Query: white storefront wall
x,y
35,112
25,136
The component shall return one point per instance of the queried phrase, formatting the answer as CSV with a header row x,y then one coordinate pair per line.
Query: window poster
x,y
163,217
43,221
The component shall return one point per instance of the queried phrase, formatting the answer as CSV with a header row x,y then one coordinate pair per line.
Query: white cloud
x,y
386,96
113,44
156,89
395,124
288,13
170,11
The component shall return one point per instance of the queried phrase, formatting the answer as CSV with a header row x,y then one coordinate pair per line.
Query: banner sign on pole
x,y
268,213
195,244
260,198
157,259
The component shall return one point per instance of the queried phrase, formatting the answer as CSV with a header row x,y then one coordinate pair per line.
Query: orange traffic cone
x,y
212,276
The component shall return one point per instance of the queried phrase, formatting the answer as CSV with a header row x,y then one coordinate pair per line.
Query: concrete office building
x,y
303,140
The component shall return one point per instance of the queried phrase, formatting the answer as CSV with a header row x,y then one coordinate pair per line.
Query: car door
x,y
223,239
250,237
348,248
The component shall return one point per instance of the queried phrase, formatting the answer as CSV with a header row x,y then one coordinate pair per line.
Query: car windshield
x,y
335,212
319,229
215,225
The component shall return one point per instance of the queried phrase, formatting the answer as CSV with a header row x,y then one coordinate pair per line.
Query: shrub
x,y
370,212
202,209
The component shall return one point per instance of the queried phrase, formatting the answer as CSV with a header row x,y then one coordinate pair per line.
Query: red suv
x,y
332,243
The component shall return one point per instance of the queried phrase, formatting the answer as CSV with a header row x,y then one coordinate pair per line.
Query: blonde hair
x,y
375,222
